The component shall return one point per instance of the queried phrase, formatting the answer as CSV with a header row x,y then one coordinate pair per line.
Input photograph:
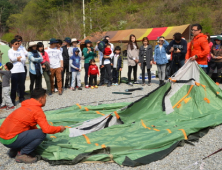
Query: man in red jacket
x,y
19,131
198,48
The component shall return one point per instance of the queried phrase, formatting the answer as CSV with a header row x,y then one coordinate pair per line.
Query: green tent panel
x,y
4,49
133,134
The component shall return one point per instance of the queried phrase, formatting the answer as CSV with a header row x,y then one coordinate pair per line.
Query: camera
x,y
180,47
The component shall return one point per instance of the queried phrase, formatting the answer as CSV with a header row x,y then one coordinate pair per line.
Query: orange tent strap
x,y
207,100
99,113
67,127
197,84
183,96
172,80
86,109
87,139
184,133
78,105
218,92
143,124
103,146
179,105
217,83
203,86
169,130
52,137
51,123
117,116
96,144
156,130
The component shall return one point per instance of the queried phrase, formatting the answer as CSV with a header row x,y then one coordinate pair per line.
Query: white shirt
x,y
55,56
18,67
106,61
115,60
112,46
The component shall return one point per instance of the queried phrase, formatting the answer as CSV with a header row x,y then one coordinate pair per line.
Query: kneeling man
x,y
19,132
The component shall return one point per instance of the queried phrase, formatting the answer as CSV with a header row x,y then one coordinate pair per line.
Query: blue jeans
x,y
28,141
17,79
175,67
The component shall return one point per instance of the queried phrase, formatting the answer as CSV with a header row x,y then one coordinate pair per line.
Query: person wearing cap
x,y
35,68
216,58
66,69
198,49
89,53
56,65
17,57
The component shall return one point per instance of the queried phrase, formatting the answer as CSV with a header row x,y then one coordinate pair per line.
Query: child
x,y
75,64
92,73
107,52
6,99
117,66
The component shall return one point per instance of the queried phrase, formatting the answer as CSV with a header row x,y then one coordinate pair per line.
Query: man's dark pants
x,y
107,68
28,141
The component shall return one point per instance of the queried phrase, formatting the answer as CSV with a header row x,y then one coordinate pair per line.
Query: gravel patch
x,y
181,158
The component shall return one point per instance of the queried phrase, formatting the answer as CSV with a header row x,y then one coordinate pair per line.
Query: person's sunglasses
x,y
194,30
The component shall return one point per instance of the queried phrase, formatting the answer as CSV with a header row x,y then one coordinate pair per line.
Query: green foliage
x,y
8,37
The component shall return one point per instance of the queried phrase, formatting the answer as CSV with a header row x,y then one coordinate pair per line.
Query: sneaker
x,y
60,93
96,86
116,84
143,84
79,88
136,82
9,108
87,86
3,107
149,84
56,90
74,89
25,159
92,87
130,83
12,153
109,84
49,94
100,84
113,84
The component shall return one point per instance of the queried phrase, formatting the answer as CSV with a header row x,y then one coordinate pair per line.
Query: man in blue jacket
x,y
178,48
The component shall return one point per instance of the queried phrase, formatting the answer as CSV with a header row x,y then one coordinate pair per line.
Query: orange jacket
x,y
198,46
26,118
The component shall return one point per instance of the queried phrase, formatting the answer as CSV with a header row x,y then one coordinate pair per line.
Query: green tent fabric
x,y
137,133
4,49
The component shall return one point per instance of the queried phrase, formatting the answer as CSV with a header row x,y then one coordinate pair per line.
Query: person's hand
x,y
186,61
154,62
62,128
88,75
193,58
79,70
178,51
98,42
111,64
140,64
89,49
161,39
171,49
120,69
151,62
43,66
19,58
61,68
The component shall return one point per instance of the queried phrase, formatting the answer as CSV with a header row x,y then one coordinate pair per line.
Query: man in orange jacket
x,y
198,48
19,131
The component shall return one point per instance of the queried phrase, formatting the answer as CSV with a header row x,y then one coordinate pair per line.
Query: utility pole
x,y
84,18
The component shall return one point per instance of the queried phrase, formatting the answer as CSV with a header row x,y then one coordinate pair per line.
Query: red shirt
x,y
93,70
107,51
45,57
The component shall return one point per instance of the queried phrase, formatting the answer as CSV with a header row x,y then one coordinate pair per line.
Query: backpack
x,y
101,46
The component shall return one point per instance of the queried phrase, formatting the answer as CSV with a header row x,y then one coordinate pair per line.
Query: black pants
x,y
86,67
143,73
134,68
28,141
213,66
17,79
37,80
116,74
107,68
66,71
18,91
93,78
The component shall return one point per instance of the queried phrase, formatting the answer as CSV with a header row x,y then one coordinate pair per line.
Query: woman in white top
x,y
17,57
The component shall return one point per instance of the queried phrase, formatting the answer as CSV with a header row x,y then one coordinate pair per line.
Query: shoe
x,y
136,82
25,159
116,84
56,90
3,107
49,94
100,84
109,84
96,86
60,93
113,84
12,153
130,83
9,108
74,89
143,84
87,86
13,103
149,83
92,87
79,88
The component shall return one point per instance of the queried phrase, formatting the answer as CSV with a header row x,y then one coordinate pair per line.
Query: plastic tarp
x,y
137,133
4,49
